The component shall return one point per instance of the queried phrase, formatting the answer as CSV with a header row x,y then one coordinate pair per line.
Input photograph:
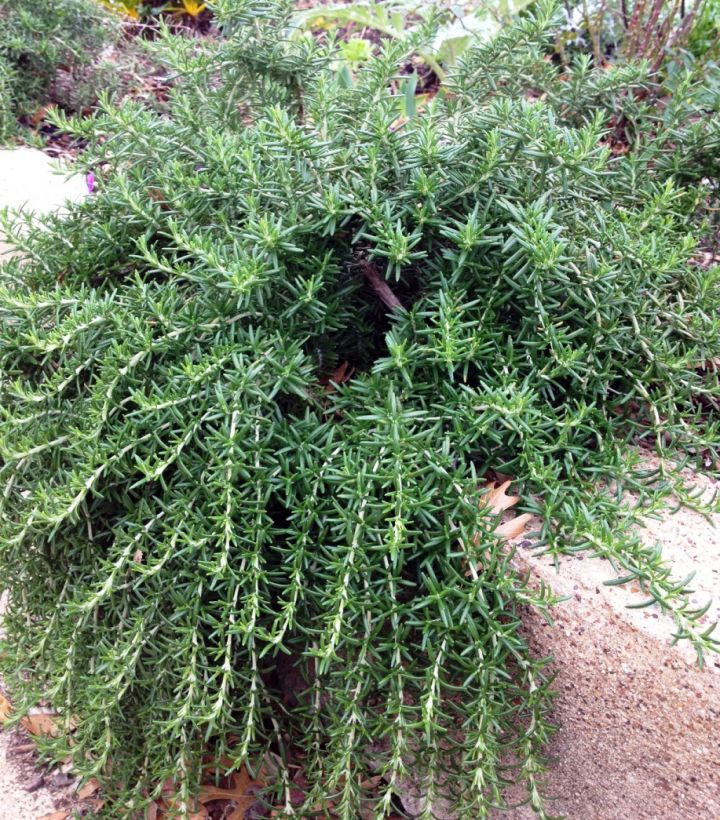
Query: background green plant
x,y
37,40
452,29
145,10
704,37
214,544
7,119
626,31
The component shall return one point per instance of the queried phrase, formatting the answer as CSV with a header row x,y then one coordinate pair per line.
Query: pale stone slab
x,y
36,183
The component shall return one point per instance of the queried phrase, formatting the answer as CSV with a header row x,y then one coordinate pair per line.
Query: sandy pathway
x,y
17,774
640,723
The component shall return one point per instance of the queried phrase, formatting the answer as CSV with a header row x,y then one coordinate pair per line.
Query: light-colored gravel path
x,y
17,774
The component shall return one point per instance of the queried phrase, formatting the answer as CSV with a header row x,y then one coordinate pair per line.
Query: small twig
x,y
23,748
379,285
35,784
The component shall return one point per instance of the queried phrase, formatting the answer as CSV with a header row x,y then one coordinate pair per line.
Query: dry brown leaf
x,y
398,123
5,708
513,527
89,789
341,374
497,499
168,785
209,793
45,721
242,793
39,115
421,100
167,810
152,812
55,815
41,722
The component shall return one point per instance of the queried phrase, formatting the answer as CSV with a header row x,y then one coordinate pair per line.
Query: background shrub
x,y
149,11
6,102
38,39
252,391
704,37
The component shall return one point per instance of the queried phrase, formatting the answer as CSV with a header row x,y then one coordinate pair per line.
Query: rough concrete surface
x,y
639,734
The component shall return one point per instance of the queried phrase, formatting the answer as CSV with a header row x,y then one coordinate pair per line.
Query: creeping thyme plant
x,y
254,388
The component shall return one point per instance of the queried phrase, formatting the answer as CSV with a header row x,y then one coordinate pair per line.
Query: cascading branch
x,y
218,544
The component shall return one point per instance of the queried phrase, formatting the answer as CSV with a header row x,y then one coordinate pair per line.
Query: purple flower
x,y
90,179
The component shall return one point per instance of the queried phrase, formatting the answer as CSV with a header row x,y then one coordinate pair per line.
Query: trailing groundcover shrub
x,y
254,388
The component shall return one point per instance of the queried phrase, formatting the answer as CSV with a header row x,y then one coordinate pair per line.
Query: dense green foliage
x,y
6,103
210,542
39,38
704,37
